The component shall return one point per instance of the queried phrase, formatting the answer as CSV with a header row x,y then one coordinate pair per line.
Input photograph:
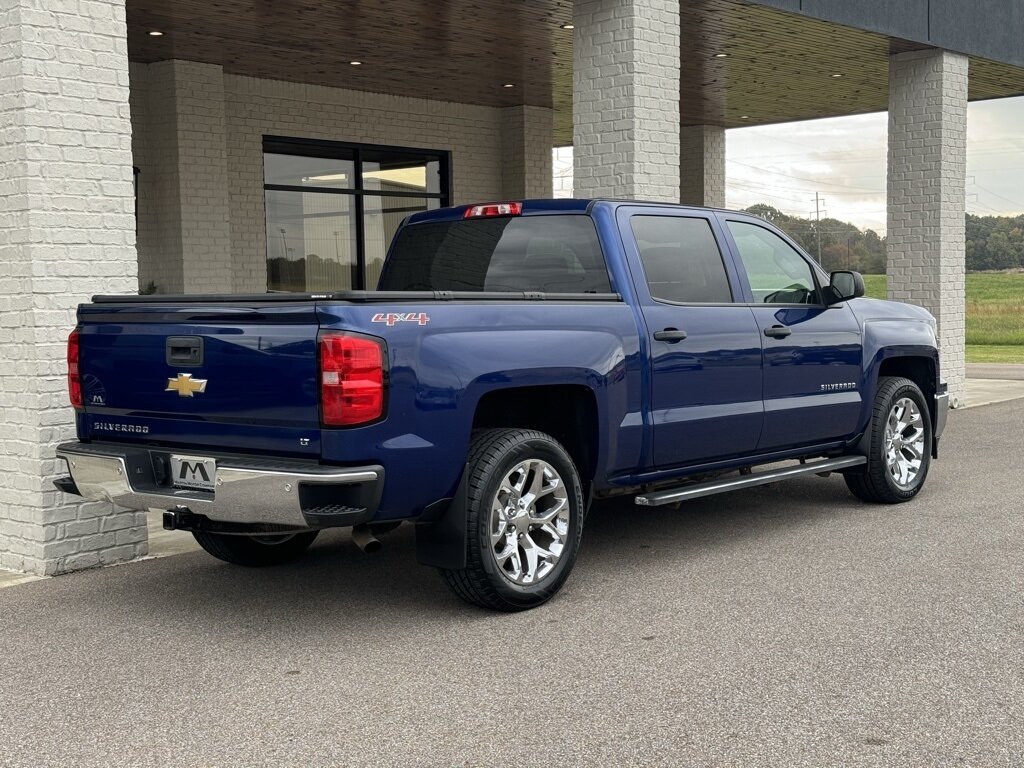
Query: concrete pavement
x,y
784,626
989,383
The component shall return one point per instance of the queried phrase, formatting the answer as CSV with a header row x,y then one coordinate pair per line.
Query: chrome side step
x,y
672,495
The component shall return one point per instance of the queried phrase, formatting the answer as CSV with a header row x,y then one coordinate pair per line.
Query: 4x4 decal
x,y
391,318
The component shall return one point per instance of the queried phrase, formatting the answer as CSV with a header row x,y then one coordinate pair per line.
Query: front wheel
x,y
524,520
899,453
255,551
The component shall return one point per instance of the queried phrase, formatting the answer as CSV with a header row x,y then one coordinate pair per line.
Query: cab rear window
x,y
552,254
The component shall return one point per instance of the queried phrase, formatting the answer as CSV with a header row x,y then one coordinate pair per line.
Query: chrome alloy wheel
x,y
529,522
904,442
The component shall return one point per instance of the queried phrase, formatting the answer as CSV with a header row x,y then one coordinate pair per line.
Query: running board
x,y
672,495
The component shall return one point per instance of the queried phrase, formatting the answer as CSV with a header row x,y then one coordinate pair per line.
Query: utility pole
x,y
817,225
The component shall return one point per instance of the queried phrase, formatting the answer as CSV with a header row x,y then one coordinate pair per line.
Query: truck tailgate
x,y
234,376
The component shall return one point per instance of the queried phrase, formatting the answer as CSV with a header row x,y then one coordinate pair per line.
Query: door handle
x,y
777,332
184,350
671,335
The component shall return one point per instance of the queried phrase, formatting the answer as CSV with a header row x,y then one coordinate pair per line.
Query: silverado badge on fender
x,y
185,385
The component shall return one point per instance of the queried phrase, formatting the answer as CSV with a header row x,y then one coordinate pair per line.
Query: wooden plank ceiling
x,y
777,66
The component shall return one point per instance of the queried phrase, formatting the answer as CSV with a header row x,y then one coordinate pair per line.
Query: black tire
x,y
255,552
873,482
492,455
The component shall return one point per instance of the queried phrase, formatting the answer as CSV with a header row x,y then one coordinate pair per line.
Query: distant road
x,y
995,371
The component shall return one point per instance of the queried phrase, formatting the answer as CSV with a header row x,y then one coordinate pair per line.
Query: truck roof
x,y
540,206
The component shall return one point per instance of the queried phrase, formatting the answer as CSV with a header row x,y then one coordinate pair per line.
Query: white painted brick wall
x,y
526,141
66,231
702,165
927,200
626,99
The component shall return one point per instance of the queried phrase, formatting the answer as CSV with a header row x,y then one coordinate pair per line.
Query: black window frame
x,y
353,152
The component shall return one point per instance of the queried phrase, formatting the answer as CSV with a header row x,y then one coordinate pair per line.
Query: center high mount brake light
x,y
490,210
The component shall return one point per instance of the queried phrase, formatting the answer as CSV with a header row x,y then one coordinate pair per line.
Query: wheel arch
x,y
567,412
919,366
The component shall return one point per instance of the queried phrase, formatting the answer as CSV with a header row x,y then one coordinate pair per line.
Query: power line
x,y
1001,197
800,178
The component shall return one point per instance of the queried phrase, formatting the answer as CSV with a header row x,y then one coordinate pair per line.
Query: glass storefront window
x,y
332,209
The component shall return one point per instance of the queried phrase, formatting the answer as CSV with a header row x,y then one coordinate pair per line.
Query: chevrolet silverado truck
x,y
517,361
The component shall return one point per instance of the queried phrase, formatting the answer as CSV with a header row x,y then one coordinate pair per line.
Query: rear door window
x,y
551,254
681,260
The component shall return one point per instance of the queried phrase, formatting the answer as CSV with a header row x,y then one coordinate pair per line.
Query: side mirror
x,y
845,285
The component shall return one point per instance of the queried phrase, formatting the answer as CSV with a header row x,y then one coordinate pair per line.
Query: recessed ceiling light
x,y
567,26
356,63
509,85
744,117
155,33
837,74
721,55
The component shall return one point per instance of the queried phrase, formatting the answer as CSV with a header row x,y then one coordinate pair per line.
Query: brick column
x,y
626,99
927,175
527,138
702,165
66,232
181,152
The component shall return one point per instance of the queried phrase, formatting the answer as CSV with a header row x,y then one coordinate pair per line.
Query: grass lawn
x,y
995,315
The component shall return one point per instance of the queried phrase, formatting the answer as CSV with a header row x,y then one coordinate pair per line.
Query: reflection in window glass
x,y
398,175
311,241
777,273
681,259
310,172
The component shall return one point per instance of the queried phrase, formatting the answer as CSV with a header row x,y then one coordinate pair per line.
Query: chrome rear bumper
x,y
248,490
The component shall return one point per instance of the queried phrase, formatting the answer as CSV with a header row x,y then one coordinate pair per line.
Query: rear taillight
x,y
351,379
74,380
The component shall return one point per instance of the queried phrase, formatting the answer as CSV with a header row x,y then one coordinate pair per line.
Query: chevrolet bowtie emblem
x,y
185,385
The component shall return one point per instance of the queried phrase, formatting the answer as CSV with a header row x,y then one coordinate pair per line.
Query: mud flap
x,y
441,531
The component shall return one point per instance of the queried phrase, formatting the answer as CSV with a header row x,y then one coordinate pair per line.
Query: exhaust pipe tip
x,y
365,540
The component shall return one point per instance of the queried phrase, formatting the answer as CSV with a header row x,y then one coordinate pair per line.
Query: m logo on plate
x,y
192,471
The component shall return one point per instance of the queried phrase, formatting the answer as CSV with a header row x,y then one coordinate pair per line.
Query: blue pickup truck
x,y
518,361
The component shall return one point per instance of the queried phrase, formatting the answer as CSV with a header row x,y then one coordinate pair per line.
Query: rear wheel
x,y
524,520
255,551
899,454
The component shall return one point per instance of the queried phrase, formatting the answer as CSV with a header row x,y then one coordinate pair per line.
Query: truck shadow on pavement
x,y
336,584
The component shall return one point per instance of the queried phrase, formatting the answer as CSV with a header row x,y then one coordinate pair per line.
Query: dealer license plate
x,y
193,472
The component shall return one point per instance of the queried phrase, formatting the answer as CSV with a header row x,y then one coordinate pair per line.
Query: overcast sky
x,y
843,160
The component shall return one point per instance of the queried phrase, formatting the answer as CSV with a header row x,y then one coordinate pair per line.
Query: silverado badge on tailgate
x,y
185,385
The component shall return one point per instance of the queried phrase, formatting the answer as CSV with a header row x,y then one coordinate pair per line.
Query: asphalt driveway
x,y
784,626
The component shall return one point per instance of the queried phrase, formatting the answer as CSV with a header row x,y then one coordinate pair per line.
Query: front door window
x,y
777,273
